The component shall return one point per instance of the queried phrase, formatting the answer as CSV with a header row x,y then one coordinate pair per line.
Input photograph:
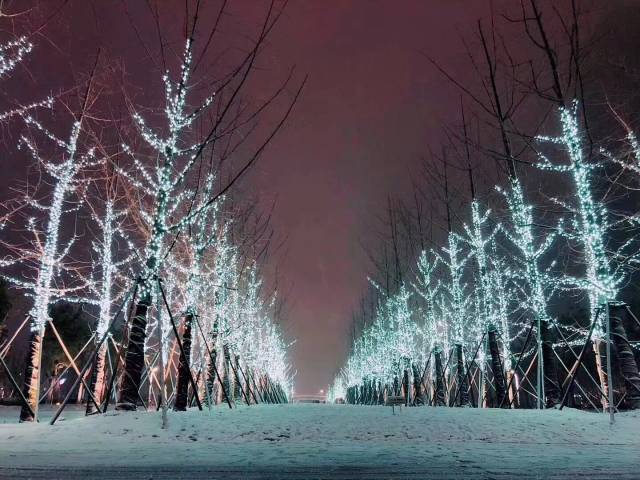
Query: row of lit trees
x,y
492,293
492,285
163,240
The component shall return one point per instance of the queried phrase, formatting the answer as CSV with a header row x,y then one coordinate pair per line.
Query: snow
x,y
324,441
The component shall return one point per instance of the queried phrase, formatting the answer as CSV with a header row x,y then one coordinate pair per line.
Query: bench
x,y
393,401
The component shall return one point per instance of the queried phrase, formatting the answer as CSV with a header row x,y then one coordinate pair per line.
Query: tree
x,y
590,227
5,307
47,254
163,184
109,278
204,231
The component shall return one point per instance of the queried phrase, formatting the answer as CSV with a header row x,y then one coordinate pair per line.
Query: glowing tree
x,y
204,231
47,253
426,286
504,304
251,321
227,308
214,323
455,305
384,352
478,241
591,223
265,351
166,187
536,285
434,329
589,227
251,344
107,285
485,318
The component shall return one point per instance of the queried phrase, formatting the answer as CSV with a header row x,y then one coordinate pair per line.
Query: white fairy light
x,y
478,242
50,253
165,181
591,220
454,300
104,285
12,54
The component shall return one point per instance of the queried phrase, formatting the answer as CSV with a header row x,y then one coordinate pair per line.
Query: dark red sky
x,y
371,106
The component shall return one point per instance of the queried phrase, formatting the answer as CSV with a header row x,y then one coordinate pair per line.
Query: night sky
x,y
371,106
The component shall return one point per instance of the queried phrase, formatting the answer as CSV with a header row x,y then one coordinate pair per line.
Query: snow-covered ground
x,y
325,441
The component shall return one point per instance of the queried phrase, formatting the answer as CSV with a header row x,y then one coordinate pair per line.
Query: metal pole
x,y
540,367
235,374
163,390
607,323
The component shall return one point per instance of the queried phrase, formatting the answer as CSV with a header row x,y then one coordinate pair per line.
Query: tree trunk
x,y
405,386
237,386
396,385
496,365
31,388
227,381
134,358
463,387
211,377
184,367
513,396
600,349
417,385
618,313
439,393
552,390
96,383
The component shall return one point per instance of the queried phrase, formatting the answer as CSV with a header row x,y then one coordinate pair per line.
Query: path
x,y
326,442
